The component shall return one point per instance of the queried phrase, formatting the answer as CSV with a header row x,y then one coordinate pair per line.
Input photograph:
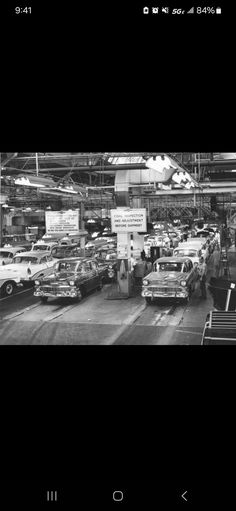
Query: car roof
x,y
75,259
35,254
172,259
11,249
47,243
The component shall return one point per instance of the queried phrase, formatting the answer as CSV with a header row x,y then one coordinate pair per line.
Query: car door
x,y
187,273
92,275
86,275
96,278
191,272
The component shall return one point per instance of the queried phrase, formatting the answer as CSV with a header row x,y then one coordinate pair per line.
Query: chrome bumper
x,y
69,293
146,293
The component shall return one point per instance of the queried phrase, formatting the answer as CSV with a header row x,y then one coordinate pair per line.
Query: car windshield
x,y
5,254
185,253
169,266
25,260
66,266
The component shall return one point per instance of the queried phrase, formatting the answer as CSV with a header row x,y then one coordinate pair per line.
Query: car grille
x,y
163,289
55,289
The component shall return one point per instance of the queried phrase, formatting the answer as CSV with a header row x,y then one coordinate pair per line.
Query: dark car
x,y
62,252
108,267
70,278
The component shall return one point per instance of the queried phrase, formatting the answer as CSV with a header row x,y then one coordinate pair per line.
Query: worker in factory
x,y
202,268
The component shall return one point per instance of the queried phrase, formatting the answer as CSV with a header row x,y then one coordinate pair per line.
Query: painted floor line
x,y
15,315
20,293
55,316
132,320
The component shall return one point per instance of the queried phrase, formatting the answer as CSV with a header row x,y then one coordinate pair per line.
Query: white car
x,y
25,268
192,252
41,246
7,254
196,243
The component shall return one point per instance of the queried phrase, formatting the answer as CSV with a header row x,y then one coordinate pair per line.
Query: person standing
x,y
143,255
202,272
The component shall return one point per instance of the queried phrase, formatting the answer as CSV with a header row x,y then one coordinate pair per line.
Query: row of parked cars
x,y
19,267
176,276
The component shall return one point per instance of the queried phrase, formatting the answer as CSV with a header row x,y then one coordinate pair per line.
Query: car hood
x,y
14,270
166,277
5,261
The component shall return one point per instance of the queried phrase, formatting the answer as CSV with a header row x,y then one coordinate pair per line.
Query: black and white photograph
x,y
118,249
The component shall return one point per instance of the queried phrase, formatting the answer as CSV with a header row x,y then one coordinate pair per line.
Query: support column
x,y
82,227
124,264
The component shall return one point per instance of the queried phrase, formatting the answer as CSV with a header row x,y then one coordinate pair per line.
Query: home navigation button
x,y
118,496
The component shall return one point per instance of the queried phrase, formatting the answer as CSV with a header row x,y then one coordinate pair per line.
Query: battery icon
x,y
218,10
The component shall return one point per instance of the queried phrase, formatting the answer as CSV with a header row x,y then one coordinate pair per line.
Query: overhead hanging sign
x,y
129,220
62,222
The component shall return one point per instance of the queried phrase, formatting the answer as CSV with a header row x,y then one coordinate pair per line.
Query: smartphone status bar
x,y
207,10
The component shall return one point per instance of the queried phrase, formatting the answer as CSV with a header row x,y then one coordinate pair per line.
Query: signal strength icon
x,y
191,11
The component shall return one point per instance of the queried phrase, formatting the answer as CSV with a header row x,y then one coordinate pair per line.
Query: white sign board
x,y
62,222
128,220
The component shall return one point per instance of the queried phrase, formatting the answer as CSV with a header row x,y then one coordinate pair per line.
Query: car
x,y
44,246
107,264
172,277
69,278
199,243
193,252
24,268
62,252
7,253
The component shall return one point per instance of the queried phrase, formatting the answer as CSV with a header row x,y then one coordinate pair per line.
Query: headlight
x,y
37,282
72,282
145,282
183,283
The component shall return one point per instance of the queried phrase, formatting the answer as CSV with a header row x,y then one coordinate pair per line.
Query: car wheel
x,y
8,289
79,296
148,301
81,293
44,299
